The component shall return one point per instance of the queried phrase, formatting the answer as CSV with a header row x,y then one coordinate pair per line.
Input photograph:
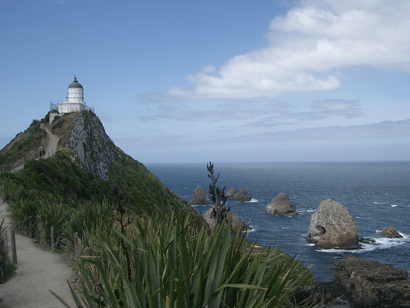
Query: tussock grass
x,y
174,262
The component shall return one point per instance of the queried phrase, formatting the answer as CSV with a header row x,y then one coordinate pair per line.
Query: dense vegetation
x,y
57,192
176,262
144,245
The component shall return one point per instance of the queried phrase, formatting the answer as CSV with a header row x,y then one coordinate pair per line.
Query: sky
x,y
181,81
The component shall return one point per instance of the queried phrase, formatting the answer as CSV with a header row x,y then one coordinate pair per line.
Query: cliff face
x,y
95,150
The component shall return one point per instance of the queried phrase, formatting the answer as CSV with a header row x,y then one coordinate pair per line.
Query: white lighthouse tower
x,y
75,99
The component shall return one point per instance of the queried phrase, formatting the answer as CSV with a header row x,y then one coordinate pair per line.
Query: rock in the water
x,y
200,197
332,226
231,192
236,222
242,195
367,241
390,232
281,205
369,283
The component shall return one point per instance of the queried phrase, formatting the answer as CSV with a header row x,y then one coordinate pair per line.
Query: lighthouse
x,y
75,99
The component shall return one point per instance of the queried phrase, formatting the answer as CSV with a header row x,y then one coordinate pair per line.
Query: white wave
x,y
285,228
251,230
310,211
380,243
393,205
253,200
385,243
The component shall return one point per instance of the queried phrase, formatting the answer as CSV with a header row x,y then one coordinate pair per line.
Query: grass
x,y
175,262
23,146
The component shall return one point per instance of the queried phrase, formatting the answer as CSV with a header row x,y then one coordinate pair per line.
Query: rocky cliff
x,y
95,150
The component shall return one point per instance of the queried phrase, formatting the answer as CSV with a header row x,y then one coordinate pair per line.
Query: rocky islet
x,y
281,205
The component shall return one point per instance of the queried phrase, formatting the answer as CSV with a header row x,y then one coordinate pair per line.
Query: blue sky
x,y
226,81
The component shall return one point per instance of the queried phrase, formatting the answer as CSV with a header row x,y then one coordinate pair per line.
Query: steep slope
x,y
26,145
95,150
87,167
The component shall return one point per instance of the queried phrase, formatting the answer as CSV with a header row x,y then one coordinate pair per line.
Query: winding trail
x,y
51,143
50,148
38,271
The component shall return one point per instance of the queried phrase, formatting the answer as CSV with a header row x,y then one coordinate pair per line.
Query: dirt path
x,y
38,271
50,147
52,142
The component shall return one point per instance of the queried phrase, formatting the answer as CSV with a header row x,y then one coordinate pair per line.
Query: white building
x,y
75,99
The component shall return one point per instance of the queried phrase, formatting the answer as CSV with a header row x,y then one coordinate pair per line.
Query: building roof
x,y
75,84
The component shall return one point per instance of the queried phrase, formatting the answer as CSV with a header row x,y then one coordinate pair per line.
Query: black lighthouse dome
x,y
75,84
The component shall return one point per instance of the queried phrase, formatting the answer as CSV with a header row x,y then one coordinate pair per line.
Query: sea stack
x,y
237,223
281,205
332,226
390,232
200,197
242,195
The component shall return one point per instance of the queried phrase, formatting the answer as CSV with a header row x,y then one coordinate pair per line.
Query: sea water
x,y
377,195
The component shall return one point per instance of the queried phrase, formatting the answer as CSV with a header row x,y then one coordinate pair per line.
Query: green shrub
x,y
24,216
172,262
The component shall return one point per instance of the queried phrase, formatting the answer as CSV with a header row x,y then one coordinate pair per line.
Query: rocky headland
x,y
95,150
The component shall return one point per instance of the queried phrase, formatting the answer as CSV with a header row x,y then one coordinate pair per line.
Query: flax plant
x,y
87,218
53,215
176,262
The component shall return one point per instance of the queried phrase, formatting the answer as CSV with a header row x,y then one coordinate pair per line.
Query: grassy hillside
x,y
61,126
147,247
60,179
25,145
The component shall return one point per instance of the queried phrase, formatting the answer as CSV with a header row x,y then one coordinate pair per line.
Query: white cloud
x,y
391,131
306,48
258,113
241,110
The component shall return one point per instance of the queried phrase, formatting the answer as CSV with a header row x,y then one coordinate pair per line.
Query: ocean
x,y
377,195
